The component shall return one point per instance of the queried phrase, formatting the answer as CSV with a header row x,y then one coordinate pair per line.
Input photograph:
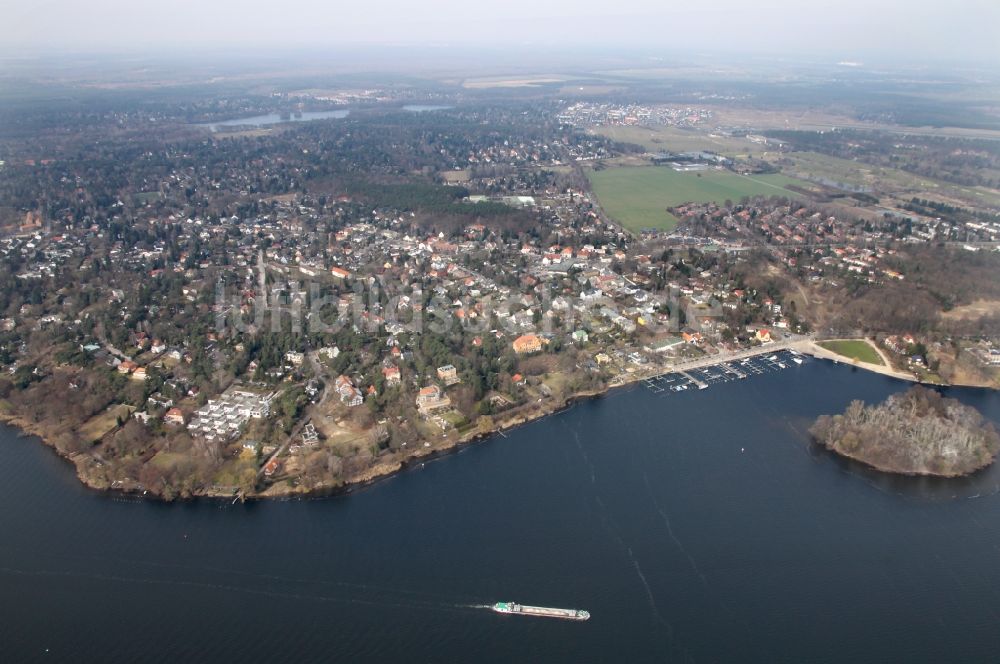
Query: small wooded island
x,y
917,432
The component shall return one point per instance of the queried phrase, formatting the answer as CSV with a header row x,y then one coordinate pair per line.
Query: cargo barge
x,y
540,611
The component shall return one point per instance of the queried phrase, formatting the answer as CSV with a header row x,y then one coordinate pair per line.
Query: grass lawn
x,y
147,196
167,460
856,349
234,473
454,418
637,197
102,423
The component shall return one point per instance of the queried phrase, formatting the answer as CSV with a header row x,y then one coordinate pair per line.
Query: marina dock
x,y
704,373
699,383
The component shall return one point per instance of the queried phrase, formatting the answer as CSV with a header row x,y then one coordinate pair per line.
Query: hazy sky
x,y
965,29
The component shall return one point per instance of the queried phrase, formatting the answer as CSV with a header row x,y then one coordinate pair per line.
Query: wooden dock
x,y
728,368
700,383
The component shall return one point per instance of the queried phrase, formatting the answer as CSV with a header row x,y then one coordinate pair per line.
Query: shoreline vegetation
x,y
486,428
917,432
379,471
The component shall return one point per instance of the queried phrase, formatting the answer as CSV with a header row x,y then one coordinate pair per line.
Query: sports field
x,y
637,197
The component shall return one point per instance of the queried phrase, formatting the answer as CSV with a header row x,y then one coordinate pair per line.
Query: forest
x,y
917,432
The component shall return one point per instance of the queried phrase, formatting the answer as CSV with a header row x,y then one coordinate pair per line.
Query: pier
x,y
700,383
705,372
730,369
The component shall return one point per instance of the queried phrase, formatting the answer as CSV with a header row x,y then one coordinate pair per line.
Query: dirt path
x,y
803,293
881,353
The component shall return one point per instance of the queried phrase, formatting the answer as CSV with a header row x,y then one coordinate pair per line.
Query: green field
x,y
834,171
637,197
855,349
674,139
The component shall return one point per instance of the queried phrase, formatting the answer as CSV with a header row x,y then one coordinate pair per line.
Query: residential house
x,y
349,394
309,434
431,398
271,467
448,374
391,375
527,343
692,337
174,416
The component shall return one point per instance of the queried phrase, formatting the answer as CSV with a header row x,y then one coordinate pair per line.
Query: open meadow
x,y
849,174
676,139
638,197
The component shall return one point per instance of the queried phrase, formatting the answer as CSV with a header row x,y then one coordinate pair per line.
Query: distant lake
x,y
275,118
695,526
424,108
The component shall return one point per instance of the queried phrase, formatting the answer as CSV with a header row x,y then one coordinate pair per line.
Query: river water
x,y
275,118
426,108
694,526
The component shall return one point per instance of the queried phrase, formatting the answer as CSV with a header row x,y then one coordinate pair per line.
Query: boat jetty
x,y
703,374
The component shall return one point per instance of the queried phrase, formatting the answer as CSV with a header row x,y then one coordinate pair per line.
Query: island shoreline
x,y
887,471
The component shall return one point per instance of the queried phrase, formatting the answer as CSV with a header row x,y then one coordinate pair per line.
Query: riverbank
x,y
381,470
957,379
37,430
389,469
812,348
487,428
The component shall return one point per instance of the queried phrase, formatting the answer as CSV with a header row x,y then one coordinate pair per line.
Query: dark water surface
x,y
694,526
276,118
426,108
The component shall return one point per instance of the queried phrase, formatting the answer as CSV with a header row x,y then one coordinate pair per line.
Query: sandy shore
x,y
812,348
